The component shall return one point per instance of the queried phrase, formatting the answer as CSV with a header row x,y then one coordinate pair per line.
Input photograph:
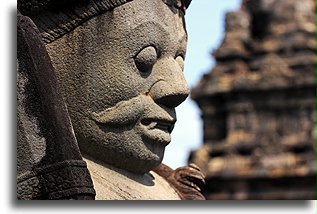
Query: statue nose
x,y
171,89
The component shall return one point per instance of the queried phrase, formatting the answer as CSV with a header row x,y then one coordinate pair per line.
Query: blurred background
x,y
249,123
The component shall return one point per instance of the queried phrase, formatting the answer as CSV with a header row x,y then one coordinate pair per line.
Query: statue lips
x,y
157,130
157,123
153,122
165,125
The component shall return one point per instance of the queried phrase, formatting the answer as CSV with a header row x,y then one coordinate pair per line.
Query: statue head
x,y
121,74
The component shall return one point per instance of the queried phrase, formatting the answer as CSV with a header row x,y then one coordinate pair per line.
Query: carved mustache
x,y
130,111
123,113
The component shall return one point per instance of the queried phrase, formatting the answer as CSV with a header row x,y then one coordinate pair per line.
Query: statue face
x,y
121,74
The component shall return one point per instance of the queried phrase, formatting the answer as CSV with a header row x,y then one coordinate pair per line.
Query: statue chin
x,y
124,149
132,161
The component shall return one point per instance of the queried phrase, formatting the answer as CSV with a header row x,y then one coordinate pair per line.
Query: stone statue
x,y
119,65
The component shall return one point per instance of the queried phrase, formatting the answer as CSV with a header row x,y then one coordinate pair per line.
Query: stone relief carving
x,y
119,66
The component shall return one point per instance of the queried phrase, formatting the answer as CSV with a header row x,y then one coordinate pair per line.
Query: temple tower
x,y
258,104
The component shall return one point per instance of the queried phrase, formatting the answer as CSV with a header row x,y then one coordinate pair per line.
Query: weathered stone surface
x,y
112,183
49,164
122,114
258,104
119,65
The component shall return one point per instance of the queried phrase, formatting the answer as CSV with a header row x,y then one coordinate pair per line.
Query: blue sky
x,y
205,27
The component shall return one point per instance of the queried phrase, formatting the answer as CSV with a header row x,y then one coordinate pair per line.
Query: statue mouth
x,y
154,123
162,124
157,131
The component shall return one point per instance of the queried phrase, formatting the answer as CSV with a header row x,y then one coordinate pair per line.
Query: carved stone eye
x,y
180,60
145,59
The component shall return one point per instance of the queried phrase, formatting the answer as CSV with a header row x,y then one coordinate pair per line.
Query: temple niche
x,y
258,104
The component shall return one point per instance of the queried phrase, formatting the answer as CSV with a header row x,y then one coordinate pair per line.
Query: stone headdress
x,y
55,18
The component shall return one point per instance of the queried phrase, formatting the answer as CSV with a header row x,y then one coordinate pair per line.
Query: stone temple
x,y
258,104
